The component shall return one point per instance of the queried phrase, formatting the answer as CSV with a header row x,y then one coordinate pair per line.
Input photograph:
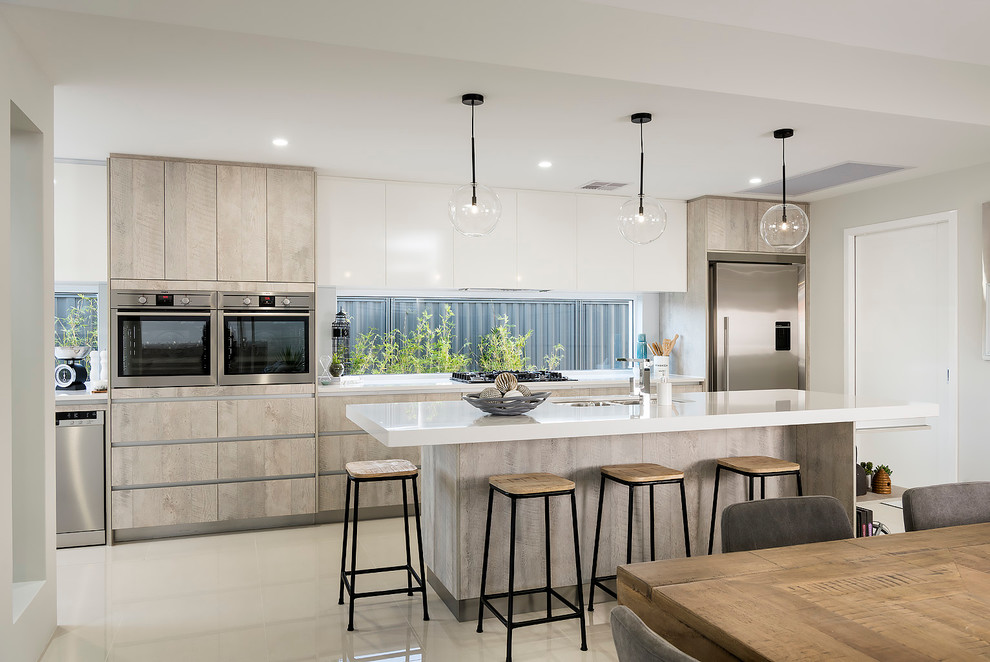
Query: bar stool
x,y
752,466
377,471
633,476
530,486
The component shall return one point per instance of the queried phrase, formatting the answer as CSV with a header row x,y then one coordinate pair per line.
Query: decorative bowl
x,y
506,406
77,352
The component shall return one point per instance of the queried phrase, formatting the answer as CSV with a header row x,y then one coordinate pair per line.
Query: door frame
x,y
949,218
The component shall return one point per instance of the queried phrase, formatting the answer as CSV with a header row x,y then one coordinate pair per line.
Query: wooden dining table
x,y
923,595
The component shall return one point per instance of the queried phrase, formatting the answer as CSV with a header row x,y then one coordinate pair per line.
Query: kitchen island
x,y
462,447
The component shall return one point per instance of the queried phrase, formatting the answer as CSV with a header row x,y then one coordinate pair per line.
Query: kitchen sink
x,y
605,402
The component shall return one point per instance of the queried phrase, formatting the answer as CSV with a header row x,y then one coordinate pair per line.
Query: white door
x,y
904,341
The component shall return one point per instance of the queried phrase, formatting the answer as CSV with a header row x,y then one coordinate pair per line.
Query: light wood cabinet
x,y
419,239
387,493
338,450
547,244
190,221
137,218
163,421
291,243
242,227
166,463
762,246
350,232
257,418
733,225
163,506
266,498
257,458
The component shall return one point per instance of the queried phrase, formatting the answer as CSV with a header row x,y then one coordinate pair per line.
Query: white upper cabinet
x,y
350,232
661,266
419,239
489,261
604,258
547,243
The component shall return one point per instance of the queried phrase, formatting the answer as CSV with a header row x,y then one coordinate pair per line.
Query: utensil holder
x,y
662,365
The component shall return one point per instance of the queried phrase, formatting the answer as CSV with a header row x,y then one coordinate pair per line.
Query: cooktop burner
x,y
521,375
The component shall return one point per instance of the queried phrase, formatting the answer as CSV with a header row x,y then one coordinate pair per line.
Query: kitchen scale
x,y
71,375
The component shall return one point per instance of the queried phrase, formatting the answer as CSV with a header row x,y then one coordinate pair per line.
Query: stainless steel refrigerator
x,y
756,312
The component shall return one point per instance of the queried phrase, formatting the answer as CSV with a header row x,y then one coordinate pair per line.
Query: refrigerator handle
x,y
725,348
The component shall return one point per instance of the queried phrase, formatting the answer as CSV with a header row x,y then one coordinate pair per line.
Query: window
x,y
592,333
76,319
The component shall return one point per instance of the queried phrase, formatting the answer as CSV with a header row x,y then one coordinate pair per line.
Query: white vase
x,y
94,366
104,366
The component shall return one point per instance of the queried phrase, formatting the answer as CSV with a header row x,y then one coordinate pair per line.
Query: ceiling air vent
x,y
843,173
602,186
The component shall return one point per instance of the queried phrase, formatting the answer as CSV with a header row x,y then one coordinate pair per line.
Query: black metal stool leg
x,y
653,535
711,536
577,569
684,515
343,551
353,577
763,487
750,488
484,562
798,476
546,525
512,577
629,527
594,554
405,521
419,543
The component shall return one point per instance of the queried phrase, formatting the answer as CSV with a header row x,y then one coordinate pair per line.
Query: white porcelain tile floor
x,y
271,596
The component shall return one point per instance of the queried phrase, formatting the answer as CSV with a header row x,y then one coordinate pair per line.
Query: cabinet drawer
x,y
175,463
336,451
266,457
164,506
163,421
688,388
266,498
256,418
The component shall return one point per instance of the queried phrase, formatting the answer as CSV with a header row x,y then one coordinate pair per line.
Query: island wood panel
x,y
137,218
164,506
258,418
827,454
167,463
256,458
190,221
266,498
291,225
163,421
242,224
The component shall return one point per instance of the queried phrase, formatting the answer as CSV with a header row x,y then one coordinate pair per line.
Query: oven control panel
x,y
267,301
162,299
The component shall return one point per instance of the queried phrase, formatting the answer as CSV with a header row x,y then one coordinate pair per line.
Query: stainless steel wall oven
x,y
267,338
163,338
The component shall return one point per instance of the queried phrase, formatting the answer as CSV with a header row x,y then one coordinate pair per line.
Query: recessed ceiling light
x,y
544,164
755,180
280,142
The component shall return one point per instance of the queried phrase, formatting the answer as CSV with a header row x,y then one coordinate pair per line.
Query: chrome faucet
x,y
639,382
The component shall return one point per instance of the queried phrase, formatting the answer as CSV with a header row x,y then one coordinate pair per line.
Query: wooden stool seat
x,y
643,472
523,484
381,469
758,464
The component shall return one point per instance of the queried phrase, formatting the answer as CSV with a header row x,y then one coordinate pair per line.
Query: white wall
x,y
80,222
962,190
26,246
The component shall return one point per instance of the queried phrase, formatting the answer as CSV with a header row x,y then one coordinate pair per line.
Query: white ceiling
x,y
372,89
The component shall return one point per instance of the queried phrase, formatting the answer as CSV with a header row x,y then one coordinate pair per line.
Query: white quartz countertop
x,y
80,397
457,422
441,383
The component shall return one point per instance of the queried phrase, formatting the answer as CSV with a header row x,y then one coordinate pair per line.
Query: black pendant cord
x,y
474,179
783,180
642,158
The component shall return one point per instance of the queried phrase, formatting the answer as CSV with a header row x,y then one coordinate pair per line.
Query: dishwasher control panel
x,y
78,417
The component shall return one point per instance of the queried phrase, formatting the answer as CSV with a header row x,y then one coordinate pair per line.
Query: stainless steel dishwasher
x,y
80,480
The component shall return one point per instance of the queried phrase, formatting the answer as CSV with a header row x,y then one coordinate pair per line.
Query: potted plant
x,y
868,470
337,364
881,479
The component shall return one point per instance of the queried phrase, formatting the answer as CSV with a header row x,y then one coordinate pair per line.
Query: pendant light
x,y
641,219
474,209
784,226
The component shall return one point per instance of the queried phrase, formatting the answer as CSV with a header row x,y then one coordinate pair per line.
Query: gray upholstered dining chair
x,y
634,642
781,522
952,504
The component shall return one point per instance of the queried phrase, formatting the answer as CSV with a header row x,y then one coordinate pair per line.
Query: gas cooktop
x,y
521,375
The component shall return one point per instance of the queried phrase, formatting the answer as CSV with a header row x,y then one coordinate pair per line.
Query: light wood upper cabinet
x,y
762,246
489,261
547,244
242,223
661,266
419,239
137,218
351,232
190,221
604,258
291,226
734,225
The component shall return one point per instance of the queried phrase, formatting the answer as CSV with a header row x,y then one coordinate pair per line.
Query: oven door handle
x,y
254,313
146,312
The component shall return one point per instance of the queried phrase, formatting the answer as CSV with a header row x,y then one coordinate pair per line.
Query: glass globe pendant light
x,y
784,226
642,219
474,208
